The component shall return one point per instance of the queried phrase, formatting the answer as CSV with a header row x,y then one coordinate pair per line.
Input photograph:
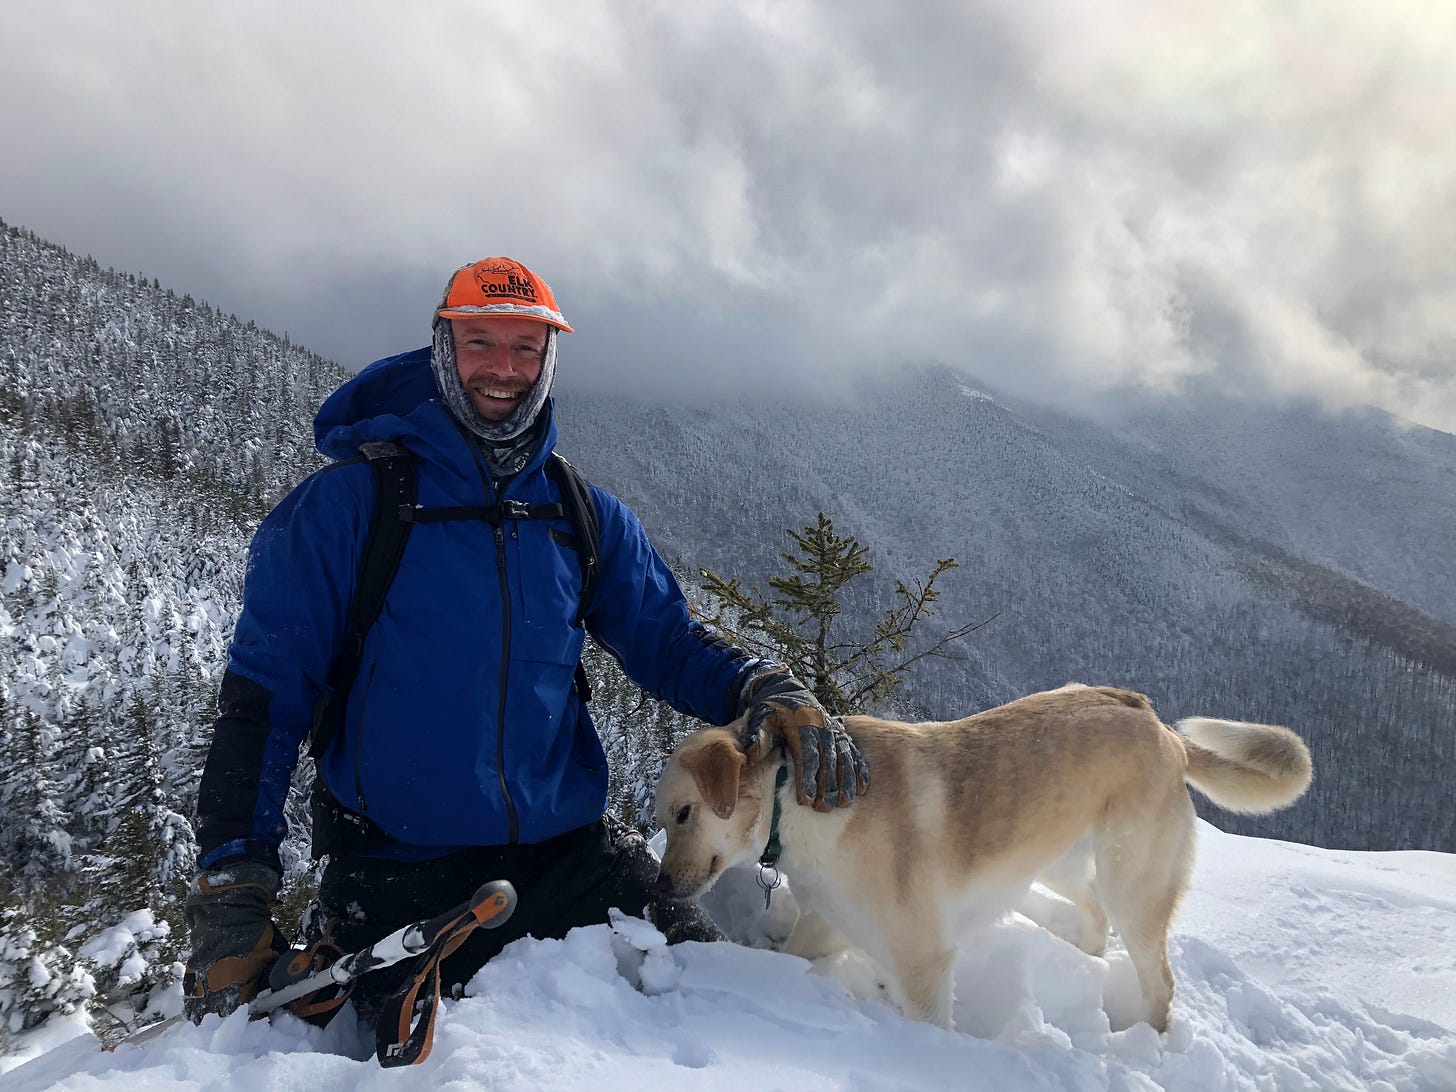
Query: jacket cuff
x,y
752,671
236,852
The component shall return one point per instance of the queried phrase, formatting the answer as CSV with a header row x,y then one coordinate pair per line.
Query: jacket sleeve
x,y
640,616
300,576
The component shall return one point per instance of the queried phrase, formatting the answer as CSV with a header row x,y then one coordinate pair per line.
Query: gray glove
x,y
831,770
234,940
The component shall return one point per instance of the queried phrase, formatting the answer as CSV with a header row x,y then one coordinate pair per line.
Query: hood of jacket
x,y
397,399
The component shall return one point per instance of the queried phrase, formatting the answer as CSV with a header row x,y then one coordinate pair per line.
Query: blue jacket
x,y
463,727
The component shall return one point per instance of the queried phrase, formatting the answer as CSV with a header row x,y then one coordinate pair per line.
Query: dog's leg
x,y
814,938
923,965
1071,876
1143,866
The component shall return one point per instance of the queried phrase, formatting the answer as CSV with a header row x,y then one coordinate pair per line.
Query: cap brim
x,y
535,314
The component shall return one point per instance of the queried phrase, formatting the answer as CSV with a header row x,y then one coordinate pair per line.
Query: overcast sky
x,y
1056,196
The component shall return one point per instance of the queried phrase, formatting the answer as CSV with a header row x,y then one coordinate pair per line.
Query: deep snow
x,y
1298,968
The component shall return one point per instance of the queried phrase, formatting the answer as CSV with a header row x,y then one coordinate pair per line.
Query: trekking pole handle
x,y
490,906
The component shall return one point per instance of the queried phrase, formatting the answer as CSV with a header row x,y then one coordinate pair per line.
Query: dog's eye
x,y
682,815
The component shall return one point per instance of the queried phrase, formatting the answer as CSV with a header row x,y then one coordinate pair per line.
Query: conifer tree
x,y
37,845
87,786
142,870
797,623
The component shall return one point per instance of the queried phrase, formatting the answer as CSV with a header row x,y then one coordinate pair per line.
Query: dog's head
x,y
709,809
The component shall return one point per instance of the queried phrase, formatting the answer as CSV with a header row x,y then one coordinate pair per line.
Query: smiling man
x,y
457,747
499,360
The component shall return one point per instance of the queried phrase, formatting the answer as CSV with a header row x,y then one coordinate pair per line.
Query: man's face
x,y
499,359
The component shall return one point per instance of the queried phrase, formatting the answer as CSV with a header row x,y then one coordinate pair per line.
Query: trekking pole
x,y
490,907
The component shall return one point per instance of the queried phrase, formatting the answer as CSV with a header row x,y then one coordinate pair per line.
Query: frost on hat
x,y
500,286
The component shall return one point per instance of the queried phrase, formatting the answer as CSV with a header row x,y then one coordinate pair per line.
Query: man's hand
x,y
234,940
831,771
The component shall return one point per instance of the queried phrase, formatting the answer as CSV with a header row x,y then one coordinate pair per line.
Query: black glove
x,y
234,940
831,771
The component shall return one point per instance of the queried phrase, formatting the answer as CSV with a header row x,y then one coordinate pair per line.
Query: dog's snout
x,y
664,886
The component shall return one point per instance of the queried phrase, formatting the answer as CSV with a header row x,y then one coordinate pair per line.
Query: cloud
x,y
735,196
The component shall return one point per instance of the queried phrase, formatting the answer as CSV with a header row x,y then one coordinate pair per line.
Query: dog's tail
x,y
1250,768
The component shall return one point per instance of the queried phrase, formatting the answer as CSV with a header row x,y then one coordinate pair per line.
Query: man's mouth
x,y
497,393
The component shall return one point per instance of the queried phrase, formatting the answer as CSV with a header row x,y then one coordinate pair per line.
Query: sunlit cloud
x,y
1058,197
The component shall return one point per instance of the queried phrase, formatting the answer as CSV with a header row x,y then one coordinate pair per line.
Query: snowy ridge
x,y
1346,981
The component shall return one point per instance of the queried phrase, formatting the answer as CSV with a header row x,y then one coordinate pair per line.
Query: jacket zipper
x,y
359,755
512,823
500,720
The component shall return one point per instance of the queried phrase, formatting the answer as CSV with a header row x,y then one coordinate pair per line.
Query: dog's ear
x,y
715,768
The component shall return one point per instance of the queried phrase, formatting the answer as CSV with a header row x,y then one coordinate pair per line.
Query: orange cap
x,y
500,286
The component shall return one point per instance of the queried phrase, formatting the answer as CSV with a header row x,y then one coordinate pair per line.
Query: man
x,y
464,751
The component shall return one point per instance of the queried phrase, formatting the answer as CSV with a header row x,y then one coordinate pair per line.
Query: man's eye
x,y
682,815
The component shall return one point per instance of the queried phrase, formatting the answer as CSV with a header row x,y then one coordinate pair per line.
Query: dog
x,y
1081,788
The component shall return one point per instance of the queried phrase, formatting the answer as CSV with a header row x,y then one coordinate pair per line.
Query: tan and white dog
x,y
1081,788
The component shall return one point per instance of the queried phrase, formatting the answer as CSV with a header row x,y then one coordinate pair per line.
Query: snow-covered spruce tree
x,y
39,974
148,865
135,885
87,785
36,845
798,624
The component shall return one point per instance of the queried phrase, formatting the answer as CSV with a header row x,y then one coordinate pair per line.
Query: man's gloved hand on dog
x,y
831,771
234,940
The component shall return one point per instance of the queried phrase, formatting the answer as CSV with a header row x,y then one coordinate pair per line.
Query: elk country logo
x,y
505,279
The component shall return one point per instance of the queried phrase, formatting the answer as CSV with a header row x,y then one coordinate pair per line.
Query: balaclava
x,y
496,286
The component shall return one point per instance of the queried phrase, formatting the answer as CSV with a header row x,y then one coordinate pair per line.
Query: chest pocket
x,y
548,593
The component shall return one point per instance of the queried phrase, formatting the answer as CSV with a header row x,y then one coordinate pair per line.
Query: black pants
x,y
570,880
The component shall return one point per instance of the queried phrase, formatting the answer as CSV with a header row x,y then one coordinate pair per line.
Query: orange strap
x,y
406,1029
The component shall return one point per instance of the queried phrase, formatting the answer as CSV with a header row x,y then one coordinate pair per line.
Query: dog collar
x,y
768,872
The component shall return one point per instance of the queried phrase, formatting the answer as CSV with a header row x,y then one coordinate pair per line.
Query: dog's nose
x,y
664,885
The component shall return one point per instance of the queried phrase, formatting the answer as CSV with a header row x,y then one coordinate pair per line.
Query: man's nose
x,y
499,361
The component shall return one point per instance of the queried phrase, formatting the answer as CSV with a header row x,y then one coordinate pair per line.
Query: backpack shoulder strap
x,y
576,499
395,487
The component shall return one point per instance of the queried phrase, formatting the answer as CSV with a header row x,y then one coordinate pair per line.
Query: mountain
x,y
141,434
1148,551
1200,554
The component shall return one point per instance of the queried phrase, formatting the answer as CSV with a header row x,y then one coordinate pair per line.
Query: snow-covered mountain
x,y
1134,551
1237,560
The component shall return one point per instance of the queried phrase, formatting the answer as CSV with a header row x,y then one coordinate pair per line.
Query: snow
x,y
15,575
1298,968
120,945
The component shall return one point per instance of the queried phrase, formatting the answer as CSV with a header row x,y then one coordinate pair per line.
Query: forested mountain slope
x,y
1106,561
143,433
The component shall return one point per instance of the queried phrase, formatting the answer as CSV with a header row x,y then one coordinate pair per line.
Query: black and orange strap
x,y
317,1007
406,1028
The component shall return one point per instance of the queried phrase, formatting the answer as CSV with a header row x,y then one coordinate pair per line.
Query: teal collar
x,y
768,872
771,852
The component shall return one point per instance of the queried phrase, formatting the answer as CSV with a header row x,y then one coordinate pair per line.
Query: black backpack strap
x,y
493,514
582,514
577,501
395,514
395,480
